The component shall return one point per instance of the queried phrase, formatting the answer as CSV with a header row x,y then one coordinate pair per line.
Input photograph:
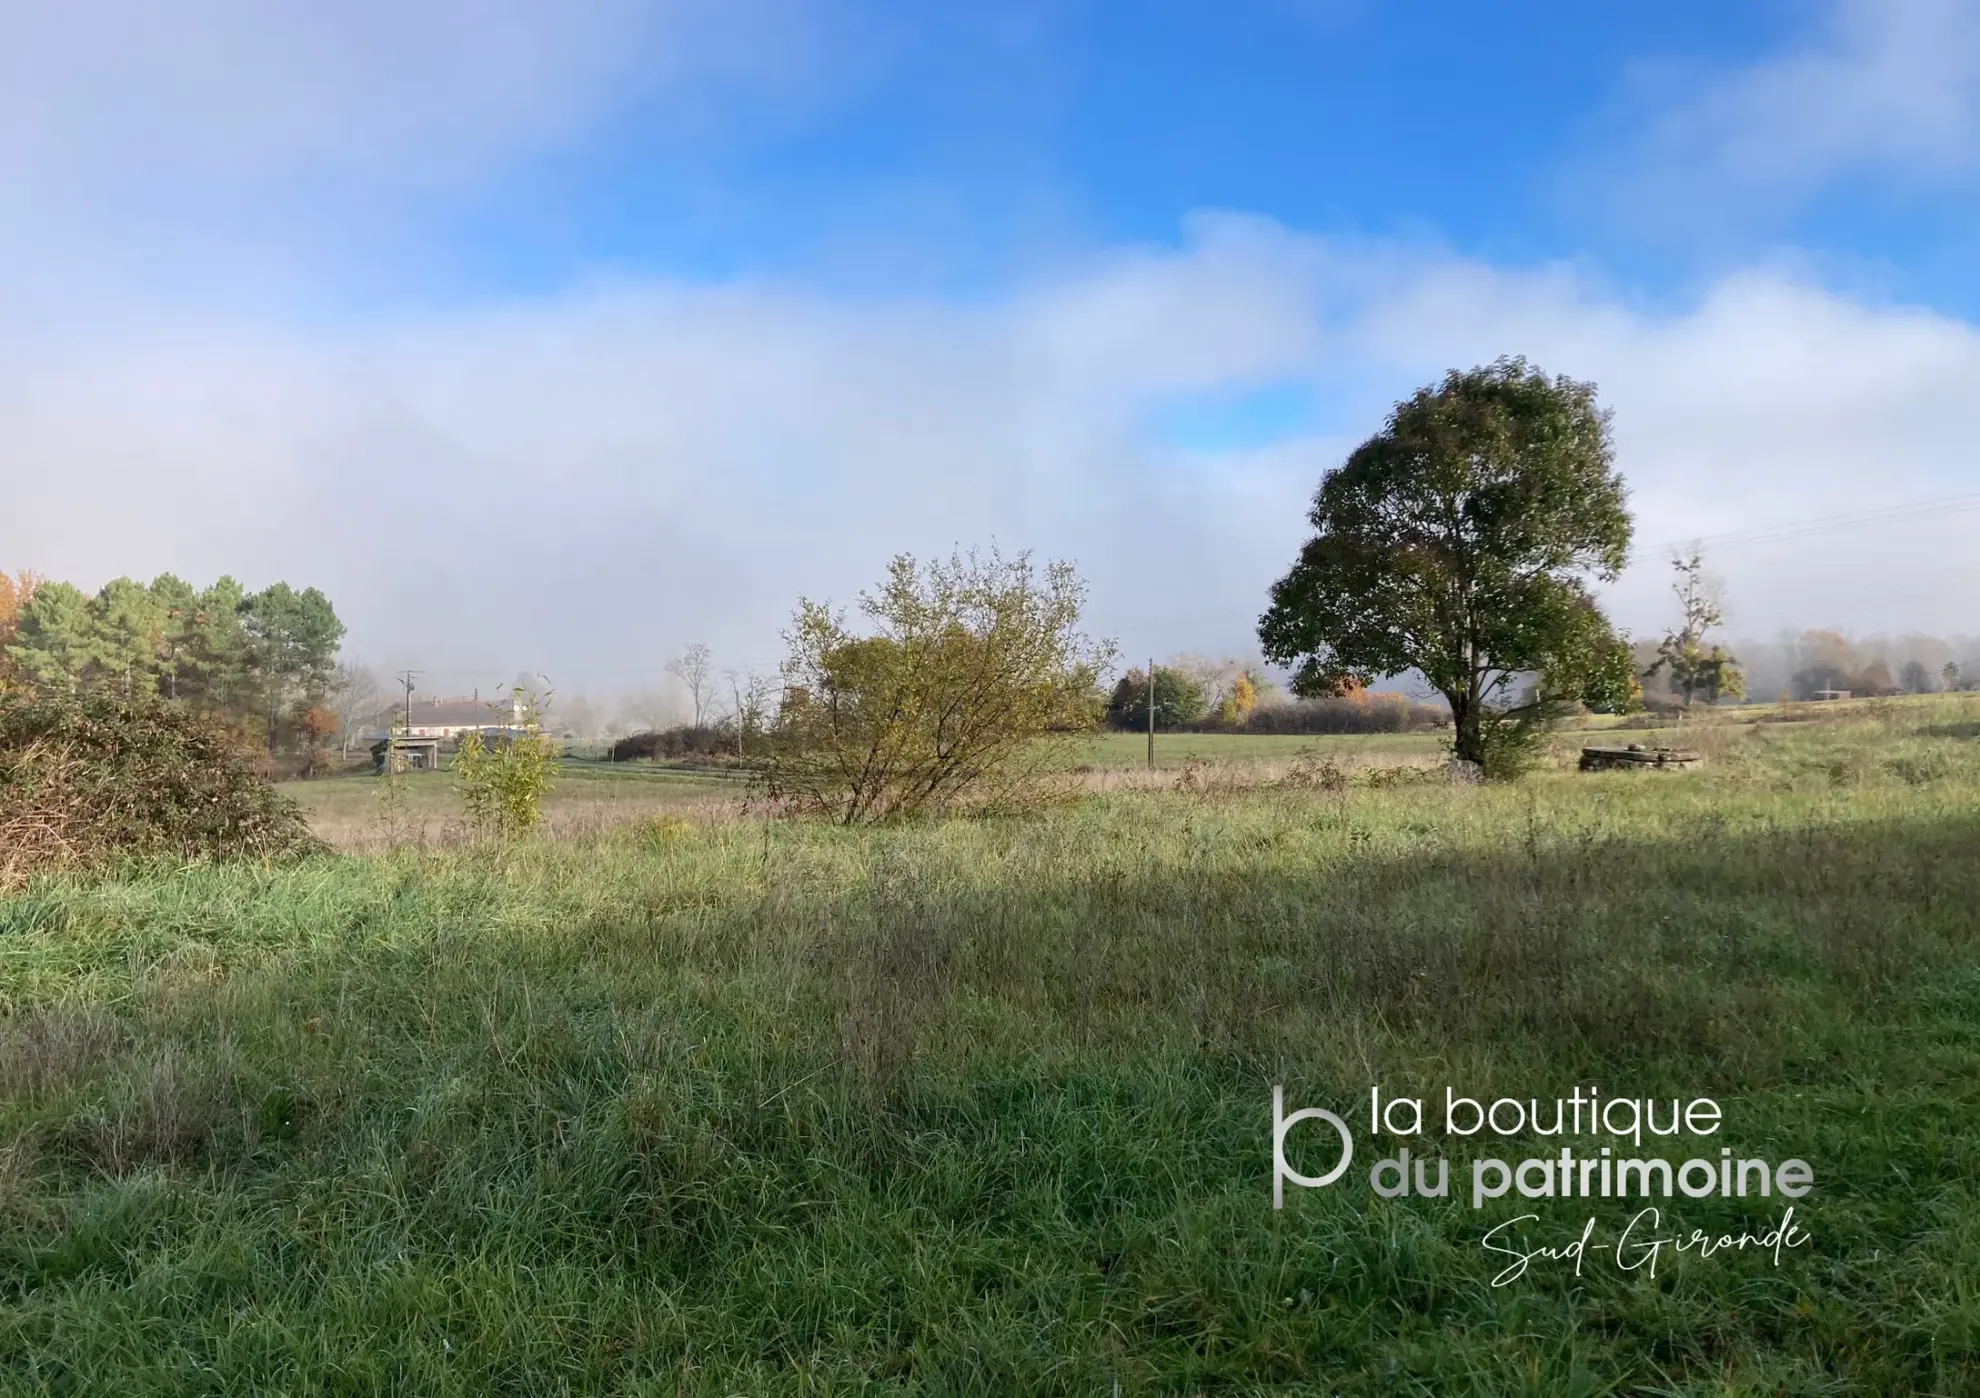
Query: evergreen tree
x,y
268,656
129,637
292,642
55,638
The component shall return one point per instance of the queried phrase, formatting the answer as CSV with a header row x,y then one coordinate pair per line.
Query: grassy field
x,y
586,799
983,1107
591,796
1128,750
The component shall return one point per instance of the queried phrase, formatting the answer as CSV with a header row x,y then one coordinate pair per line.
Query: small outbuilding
x,y
419,754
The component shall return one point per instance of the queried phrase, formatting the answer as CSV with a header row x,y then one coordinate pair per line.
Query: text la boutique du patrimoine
x,y
1596,1173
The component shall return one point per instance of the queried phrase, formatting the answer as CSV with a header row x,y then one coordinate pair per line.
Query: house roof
x,y
457,713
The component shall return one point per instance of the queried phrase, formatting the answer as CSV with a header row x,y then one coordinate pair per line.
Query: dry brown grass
x,y
1296,771
346,815
44,1052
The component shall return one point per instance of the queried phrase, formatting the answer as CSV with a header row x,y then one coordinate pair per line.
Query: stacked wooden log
x,y
1635,756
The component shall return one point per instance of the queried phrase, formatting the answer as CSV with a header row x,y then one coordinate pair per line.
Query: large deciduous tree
x,y
1458,542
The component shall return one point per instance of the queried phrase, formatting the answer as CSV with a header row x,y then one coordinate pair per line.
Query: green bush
x,y
1179,700
976,671
503,777
87,778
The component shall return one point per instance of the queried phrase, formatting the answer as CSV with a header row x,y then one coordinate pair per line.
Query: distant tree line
x,y
1193,695
1800,665
683,740
262,662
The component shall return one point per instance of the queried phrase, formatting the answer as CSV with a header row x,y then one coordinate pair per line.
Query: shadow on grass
x,y
951,1122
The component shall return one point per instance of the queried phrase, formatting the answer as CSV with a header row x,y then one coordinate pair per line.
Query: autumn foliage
x,y
15,593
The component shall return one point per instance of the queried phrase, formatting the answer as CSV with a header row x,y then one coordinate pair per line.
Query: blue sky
x,y
954,149
744,296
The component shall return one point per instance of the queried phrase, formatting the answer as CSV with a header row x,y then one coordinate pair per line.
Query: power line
x,y
1859,519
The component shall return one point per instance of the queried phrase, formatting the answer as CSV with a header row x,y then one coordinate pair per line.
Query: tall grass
x,y
983,1106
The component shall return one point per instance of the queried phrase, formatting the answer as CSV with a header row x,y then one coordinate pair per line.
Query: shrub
x,y
1180,700
705,740
977,664
504,776
90,777
1364,713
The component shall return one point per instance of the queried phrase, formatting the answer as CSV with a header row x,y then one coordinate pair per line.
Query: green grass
x,y
982,1106
347,811
1129,750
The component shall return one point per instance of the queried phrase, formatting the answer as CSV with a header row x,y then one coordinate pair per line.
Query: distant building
x,y
421,754
447,719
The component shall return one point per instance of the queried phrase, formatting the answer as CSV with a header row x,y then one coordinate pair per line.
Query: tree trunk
x,y
1467,743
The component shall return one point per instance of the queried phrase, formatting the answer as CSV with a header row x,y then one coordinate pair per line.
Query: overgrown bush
x,y
1364,713
1180,701
90,777
688,740
977,666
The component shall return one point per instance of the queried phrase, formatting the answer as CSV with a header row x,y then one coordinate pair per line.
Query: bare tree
x,y
354,696
749,698
695,668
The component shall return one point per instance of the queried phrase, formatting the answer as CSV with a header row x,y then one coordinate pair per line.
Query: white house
x,y
449,718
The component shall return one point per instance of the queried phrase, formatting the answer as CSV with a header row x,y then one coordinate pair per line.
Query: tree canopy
x,y
267,656
1457,542
1179,699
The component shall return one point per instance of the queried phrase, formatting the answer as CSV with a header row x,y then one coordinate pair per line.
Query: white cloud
x,y
241,152
410,91
1884,90
1769,402
580,482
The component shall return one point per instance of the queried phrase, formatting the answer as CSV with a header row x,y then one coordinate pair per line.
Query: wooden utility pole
x,y
1151,713
406,678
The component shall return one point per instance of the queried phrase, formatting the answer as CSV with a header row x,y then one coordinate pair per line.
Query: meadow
x,y
589,797
1116,751
592,795
724,1105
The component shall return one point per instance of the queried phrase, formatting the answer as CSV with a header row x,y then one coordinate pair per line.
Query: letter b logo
x,y
1281,1124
